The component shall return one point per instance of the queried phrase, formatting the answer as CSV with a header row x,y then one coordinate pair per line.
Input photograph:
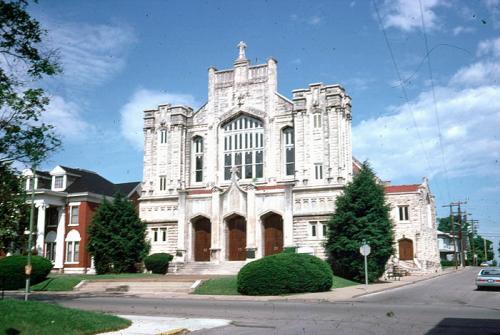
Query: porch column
x,y
40,227
251,222
288,218
215,222
61,231
181,228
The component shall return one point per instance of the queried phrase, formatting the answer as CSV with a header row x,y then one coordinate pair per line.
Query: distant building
x,y
65,200
446,248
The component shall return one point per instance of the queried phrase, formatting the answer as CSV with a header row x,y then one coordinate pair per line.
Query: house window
x,y
73,246
155,234
198,158
318,171
50,251
324,228
74,215
317,120
159,234
163,183
314,229
163,136
244,147
30,185
289,149
51,216
403,213
58,181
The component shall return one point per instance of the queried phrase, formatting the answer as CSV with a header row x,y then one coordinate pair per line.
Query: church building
x,y
249,173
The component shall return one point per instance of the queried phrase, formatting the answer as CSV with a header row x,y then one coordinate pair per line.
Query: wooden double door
x,y
273,234
237,238
406,249
202,240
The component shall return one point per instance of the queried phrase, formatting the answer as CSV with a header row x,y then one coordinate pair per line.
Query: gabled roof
x,y
126,188
402,188
90,182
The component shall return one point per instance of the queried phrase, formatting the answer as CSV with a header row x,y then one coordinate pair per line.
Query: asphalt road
x,y
448,304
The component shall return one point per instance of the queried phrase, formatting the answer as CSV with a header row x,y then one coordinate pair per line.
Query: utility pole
x,y
30,237
485,250
460,236
453,235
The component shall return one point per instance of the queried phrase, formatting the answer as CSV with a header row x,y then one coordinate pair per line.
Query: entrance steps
x,y
210,268
411,267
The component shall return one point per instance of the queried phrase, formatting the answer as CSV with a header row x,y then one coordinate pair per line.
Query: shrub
x,y
158,263
12,276
285,273
448,263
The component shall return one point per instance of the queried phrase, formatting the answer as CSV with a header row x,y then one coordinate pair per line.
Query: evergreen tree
x,y
117,237
361,214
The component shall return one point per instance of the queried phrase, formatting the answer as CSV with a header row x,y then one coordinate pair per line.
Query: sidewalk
x,y
339,294
148,325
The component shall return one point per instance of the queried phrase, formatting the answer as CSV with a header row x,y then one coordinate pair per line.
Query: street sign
x,y
365,250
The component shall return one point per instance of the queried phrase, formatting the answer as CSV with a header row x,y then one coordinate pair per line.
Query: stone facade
x,y
248,154
252,172
413,212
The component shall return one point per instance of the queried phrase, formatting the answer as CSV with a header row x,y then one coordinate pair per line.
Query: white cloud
x,y
462,30
405,14
469,121
480,73
66,117
314,20
489,47
90,54
142,99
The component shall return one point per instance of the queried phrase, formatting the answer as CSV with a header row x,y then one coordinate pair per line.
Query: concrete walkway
x,y
150,325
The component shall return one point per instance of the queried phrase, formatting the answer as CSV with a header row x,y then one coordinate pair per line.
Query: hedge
x,y
285,273
12,276
158,263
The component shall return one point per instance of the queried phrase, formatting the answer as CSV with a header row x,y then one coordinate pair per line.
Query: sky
x,y
423,77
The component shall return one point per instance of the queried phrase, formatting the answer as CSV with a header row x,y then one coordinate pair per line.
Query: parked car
x,y
484,264
488,277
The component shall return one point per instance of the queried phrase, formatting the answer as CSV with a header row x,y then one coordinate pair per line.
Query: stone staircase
x,y
208,268
411,267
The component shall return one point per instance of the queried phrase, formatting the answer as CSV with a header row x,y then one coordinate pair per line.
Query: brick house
x,y
65,200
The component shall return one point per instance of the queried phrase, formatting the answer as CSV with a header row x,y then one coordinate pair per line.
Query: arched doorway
x,y
236,238
202,239
273,234
405,249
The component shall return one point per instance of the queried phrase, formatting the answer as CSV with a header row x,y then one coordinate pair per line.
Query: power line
x,y
436,114
403,87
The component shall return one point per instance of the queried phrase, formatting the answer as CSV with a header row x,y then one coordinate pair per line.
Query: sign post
x,y
365,251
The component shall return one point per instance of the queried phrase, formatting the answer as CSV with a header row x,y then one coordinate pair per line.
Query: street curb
x,y
176,331
80,284
407,284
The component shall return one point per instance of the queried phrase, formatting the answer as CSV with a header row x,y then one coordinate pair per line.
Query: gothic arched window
x,y
289,150
198,158
244,147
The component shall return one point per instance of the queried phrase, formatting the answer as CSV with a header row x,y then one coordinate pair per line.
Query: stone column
x,y
288,218
215,222
251,222
181,228
61,231
40,227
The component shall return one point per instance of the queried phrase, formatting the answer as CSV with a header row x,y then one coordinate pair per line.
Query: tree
x,y
117,237
23,137
13,209
361,214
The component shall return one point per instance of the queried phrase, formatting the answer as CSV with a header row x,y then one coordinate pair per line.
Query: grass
x,y
229,286
32,317
68,282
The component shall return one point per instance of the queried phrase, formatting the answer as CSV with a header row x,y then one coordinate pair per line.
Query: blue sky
x,y
120,57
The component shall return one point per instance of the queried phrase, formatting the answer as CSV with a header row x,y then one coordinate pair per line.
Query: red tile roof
x,y
401,188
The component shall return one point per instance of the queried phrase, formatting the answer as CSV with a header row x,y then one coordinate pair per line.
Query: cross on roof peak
x,y
241,46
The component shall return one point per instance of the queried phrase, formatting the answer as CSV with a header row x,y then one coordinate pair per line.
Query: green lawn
x,y
68,282
31,317
228,285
